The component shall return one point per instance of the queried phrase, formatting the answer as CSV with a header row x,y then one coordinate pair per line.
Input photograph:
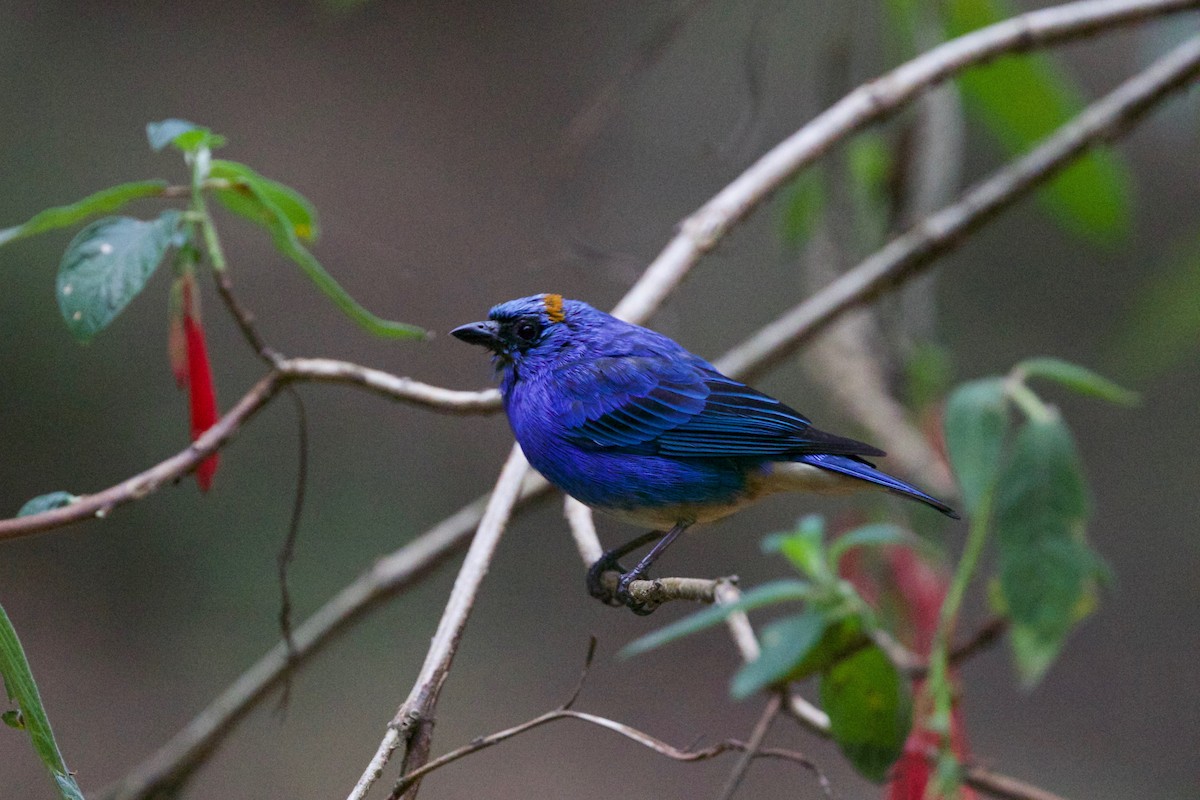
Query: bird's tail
x,y
856,468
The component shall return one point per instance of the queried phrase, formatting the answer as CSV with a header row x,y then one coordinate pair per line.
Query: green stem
x,y
199,208
939,685
1025,399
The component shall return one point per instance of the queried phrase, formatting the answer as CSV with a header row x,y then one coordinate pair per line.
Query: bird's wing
x,y
677,407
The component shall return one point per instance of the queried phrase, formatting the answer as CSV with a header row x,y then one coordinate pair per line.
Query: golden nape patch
x,y
554,307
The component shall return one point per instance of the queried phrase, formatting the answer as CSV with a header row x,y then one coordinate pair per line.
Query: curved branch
x,y
317,370
393,387
102,503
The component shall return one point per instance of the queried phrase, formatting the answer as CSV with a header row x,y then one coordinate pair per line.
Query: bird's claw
x,y
596,586
622,596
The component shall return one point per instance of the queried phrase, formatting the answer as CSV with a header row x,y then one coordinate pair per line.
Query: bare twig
x,y
757,736
244,319
873,101
394,387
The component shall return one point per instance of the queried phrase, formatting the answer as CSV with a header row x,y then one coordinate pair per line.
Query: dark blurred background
x,y
431,136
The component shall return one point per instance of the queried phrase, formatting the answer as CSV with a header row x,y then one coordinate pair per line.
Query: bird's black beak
x,y
485,333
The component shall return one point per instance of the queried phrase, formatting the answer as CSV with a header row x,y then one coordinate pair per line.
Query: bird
x,y
630,423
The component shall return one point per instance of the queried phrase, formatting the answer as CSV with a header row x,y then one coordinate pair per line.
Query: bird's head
x,y
531,332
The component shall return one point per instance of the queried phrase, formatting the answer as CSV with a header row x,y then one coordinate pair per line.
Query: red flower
x,y
189,363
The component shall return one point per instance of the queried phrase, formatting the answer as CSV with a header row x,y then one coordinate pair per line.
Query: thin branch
x,y
872,102
753,746
631,733
175,761
288,551
411,722
244,319
392,387
101,504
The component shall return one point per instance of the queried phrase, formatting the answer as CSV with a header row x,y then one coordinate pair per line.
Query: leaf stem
x,y
940,688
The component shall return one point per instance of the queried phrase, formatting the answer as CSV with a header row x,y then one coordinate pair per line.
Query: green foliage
x,y
976,422
101,202
31,716
766,595
870,710
47,502
247,186
803,205
1024,98
1163,325
109,262
1047,571
106,265
829,637
785,643
183,135
1080,379
1033,492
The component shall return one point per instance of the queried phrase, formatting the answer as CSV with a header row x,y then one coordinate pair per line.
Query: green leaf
x,y
106,265
803,205
768,594
185,136
47,502
870,710
1080,379
283,234
243,200
869,160
876,535
976,422
1022,99
804,547
101,202
21,688
928,373
843,635
1163,325
785,643
1047,571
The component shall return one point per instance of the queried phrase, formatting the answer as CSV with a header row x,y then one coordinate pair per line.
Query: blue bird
x,y
630,423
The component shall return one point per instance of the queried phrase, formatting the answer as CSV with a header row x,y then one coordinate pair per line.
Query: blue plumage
x,y
627,421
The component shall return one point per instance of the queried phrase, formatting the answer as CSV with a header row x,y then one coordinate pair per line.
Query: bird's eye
x,y
527,331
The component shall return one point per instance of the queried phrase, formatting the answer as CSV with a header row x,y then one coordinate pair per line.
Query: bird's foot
x,y
596,585
603,590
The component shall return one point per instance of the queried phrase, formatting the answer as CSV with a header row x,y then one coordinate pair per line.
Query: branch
x,y
872,102
413,719
293,370
753,747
